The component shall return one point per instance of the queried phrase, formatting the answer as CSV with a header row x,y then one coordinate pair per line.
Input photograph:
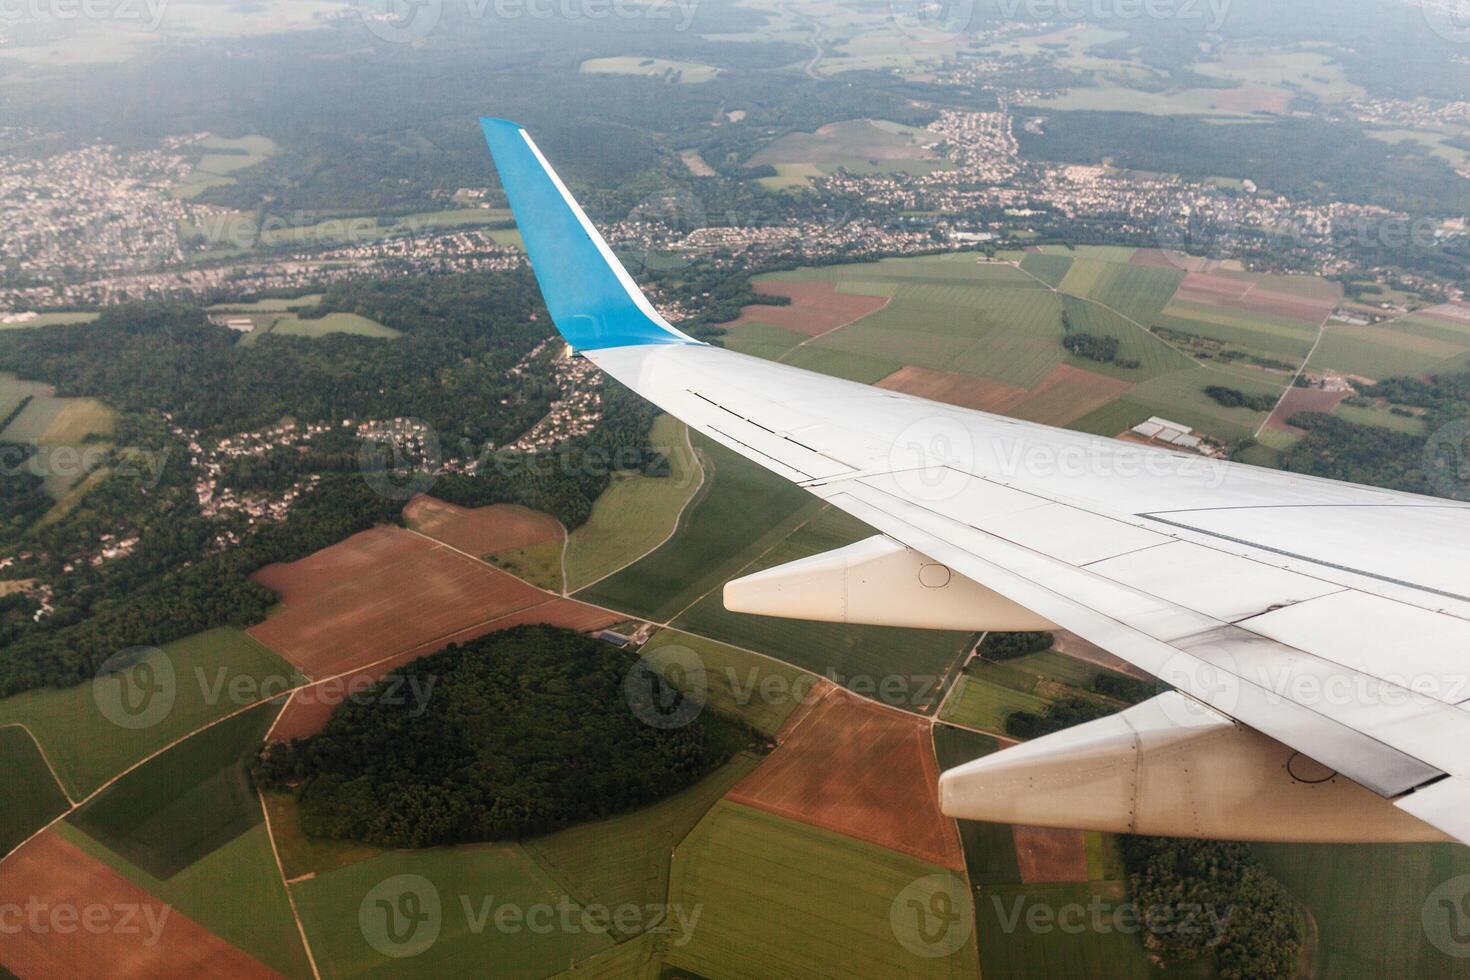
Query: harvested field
x,y
482,530
309,709
816,307
1069,393
156,940
1207,287
380,593
1048,855
1303,400
964,390
1075,646
859,769
1457,313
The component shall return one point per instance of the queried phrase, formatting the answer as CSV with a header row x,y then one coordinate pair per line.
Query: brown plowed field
x,y
1303,400
483,530
380,593
1068,393
1046,854
860,769
964,390
142,936
309,709
1450,313
816,307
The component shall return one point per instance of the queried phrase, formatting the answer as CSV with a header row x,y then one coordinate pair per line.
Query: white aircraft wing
x,y
1332,619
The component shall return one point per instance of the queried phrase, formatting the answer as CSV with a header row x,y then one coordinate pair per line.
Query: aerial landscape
x,y
356,619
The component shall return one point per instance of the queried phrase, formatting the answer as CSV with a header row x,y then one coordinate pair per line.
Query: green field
x,y
88,749
741,511
760,340
1375,415
337,909
686,72
636,512
295,326
636,959
759,691
990,848
1050,269
1382,352
51,320
222,158
303,855
183,805
235,892
861,146
1011,333
29,796
1367,901
269,305
984,704
897,666
625,860
780,899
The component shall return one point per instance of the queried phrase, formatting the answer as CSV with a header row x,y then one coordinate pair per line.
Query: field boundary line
x,y
1321,332
44,758
700,462
1119,313
782,540
861,316
958,669
286,885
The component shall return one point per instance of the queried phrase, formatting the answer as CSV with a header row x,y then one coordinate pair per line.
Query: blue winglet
x,y
592,299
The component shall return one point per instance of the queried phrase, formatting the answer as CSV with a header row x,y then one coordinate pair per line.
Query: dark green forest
x,y
518,733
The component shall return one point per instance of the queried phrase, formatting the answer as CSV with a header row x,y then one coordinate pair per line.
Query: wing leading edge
x,y
1158,557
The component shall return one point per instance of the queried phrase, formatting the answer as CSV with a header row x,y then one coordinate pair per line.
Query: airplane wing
x,y
1316,634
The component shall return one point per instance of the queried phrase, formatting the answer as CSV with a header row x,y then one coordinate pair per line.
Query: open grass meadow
x,y
1372,902
625,859
303,855
780,898
982,703
183,805
897,666
235,892
208,669
636,513
1010,333
350,323
759,691
740,512
468,886
29,795
1385,351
